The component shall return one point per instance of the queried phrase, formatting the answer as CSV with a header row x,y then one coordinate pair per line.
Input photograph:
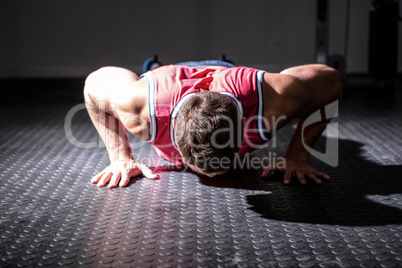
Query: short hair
x,y
208,132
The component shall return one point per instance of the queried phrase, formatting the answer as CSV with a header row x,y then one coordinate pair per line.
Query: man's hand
x,y
122,170
295,168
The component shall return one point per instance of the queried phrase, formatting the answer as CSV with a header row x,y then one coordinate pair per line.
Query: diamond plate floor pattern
x,y
51,215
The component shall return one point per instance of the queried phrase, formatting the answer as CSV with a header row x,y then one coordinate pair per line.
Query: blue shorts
x,y
203,63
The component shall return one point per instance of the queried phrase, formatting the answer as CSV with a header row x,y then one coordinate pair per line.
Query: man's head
x,y
208,132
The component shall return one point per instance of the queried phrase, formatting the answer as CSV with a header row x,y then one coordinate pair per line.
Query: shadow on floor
x,y
360,192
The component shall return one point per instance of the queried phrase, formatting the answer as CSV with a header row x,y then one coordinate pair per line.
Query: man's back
x,y
170,87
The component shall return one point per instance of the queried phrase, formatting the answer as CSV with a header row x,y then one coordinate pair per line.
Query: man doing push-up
x,y
206,116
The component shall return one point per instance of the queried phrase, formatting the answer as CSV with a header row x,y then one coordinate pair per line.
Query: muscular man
x,y
207,115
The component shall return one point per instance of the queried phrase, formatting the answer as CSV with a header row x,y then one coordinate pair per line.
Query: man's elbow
x,y
338,82
92,86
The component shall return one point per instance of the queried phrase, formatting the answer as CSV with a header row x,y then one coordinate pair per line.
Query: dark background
x,y
48,38
51,215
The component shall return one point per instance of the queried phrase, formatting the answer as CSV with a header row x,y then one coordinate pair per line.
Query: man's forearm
x,y
112,132
297,148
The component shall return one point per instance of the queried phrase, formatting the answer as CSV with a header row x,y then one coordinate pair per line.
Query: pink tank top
x,y
170,86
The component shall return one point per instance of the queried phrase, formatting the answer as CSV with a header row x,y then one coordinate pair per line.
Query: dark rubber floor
x,y
51,215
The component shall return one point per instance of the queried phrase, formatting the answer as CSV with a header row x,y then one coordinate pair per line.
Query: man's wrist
x,y
297,155
122,156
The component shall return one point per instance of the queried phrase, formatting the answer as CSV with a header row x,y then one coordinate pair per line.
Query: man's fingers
x,y
97,177
279,165
104,179
147,172
120,175
114,180
313,177
287,177
125,179
323,175
320,174
265,171
300,176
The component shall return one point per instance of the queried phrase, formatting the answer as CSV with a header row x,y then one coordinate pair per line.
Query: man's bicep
x,y
284,95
